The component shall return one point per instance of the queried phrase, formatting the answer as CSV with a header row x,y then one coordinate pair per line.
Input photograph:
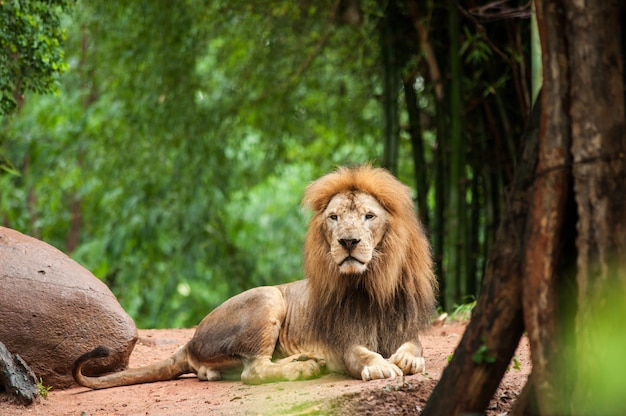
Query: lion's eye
x,y
370,216
333,217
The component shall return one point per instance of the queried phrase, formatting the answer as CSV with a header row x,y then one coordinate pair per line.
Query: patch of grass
x,y
517,365
43,390
308,408
462,312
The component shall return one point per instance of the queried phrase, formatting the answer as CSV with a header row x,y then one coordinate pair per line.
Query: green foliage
x,y
474,49
267,224
42,389
31,55
172,160
462,312
599,365
517,365
175,150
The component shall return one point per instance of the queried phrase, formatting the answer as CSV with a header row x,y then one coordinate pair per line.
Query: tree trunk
x,y
440,203
473,249
599,151
417,144
578,196
547,214
456,221
489,342
391,88
599,142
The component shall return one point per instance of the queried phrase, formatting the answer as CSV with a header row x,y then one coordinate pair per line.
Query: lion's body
x,y
369,289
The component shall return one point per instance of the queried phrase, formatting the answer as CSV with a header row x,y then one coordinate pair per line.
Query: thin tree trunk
x,y
391,88
456,244
440,203
491,176
419,161
473,229
489,342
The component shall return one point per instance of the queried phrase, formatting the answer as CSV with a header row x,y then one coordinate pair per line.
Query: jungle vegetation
x,y
165,146
172,153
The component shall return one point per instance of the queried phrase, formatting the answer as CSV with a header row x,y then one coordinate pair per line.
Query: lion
x,y
369,289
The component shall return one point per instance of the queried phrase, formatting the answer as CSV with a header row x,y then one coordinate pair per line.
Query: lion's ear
x,y
316,202
319,193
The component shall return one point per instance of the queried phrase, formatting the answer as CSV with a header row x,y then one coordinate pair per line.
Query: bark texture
x,y
544,239
599,170
497,320
578,196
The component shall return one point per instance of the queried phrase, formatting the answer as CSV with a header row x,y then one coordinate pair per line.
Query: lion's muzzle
x,y
348,243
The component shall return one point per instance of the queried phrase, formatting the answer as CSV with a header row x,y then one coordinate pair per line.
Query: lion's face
x,y
355,224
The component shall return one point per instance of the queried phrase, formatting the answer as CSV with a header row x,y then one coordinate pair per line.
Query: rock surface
x,y
52,310
16,377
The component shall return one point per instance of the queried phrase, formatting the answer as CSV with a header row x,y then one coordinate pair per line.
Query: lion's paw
x,y
408,363
382,369
303,357
265,371
304,369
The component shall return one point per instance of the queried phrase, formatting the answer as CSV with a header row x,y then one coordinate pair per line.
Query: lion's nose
x,y
348,243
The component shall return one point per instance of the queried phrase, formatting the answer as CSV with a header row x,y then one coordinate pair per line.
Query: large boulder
x,y
52,310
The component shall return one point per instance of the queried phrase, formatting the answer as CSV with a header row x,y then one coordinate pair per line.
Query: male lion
x,y
369,289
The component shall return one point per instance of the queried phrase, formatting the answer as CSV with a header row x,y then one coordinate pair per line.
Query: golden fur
x,y
369,289
406,265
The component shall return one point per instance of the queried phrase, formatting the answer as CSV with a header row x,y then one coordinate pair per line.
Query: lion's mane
x,y
399,285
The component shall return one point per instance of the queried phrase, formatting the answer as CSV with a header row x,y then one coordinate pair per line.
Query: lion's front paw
x,y
304,369
408,363
264,370
302,366
381,369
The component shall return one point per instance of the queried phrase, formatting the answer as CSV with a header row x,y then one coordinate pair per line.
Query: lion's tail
x,y
171,368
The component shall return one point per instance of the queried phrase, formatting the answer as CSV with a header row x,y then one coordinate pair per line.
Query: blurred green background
x,y
165,145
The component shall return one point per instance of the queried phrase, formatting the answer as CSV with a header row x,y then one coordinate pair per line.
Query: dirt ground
x,y
328,395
